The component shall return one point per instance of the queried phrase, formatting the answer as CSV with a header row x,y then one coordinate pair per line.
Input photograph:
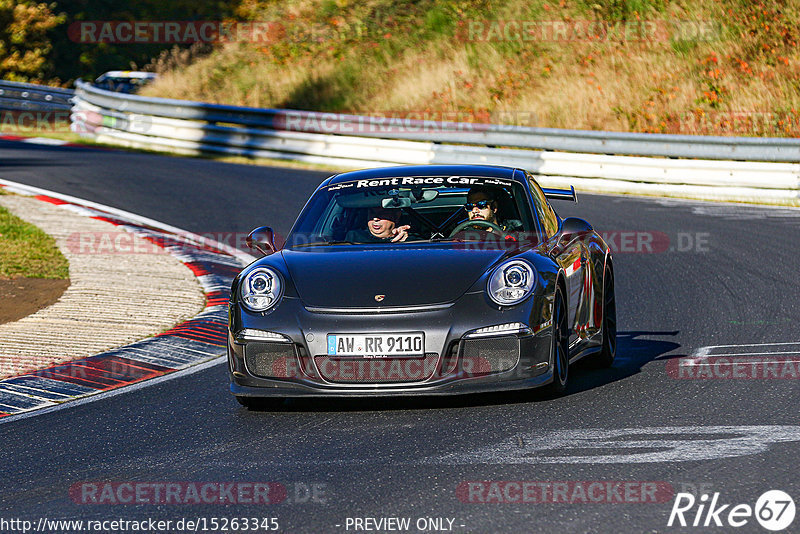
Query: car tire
x,y
559,349
608,351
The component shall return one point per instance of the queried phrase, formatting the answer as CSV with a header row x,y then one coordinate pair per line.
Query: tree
x,y
24,41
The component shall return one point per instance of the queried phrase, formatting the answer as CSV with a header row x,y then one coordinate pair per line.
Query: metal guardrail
x,y
194,127
29,97
593,142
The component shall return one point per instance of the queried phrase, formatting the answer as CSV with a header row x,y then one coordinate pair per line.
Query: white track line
x,y
114,392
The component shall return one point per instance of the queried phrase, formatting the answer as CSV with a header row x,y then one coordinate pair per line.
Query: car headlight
x,y
511,282
261,289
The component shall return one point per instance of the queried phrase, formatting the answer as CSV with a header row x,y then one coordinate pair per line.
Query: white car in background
x,y
124,81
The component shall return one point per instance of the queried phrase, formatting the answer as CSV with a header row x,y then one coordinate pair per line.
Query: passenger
x,y
381,226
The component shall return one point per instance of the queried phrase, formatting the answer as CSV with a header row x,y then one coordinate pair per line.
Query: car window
x,y
433,208
543,209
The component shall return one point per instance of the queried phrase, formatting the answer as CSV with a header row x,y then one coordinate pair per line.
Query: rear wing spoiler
x,y
560,194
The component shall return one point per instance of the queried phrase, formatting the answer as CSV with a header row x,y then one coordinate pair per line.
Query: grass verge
x,y
28,252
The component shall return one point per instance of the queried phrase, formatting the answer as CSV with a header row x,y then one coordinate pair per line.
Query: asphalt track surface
x,y
735,284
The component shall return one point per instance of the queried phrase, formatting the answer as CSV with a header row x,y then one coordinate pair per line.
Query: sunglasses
x,y
482,204
383,213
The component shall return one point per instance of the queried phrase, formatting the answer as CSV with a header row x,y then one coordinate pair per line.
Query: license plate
x,y
407,345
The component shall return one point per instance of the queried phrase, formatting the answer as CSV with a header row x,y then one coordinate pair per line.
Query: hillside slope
x,y
722,67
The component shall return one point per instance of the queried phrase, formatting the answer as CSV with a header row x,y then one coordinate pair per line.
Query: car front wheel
x,y
560,345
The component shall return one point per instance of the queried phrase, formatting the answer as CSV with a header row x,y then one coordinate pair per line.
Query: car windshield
x,y
427,208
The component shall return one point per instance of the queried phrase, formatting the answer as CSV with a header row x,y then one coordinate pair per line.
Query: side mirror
x,y
572,227
262,239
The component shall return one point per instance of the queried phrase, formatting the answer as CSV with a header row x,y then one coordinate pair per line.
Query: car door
x,y
570,255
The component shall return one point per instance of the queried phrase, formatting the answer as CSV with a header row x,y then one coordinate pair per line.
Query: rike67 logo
x,y
774,510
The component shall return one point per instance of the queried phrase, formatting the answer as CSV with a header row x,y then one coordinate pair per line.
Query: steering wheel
x,y
478,223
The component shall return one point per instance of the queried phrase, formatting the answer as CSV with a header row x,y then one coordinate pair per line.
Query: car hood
x,y
352,277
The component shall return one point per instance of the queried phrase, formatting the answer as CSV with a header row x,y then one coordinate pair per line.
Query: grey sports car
x,y
422,280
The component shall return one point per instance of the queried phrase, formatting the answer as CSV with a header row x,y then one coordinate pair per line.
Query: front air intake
x,y
271,360
489,355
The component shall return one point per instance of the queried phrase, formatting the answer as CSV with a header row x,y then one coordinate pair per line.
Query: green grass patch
x,y
26,251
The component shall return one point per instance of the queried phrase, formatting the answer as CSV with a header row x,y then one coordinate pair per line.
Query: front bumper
x,y
453,364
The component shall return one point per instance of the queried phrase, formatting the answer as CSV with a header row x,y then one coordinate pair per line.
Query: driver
x,y
481,206
381,226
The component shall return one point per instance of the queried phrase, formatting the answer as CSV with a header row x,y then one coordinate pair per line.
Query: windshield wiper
x,y
323,244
